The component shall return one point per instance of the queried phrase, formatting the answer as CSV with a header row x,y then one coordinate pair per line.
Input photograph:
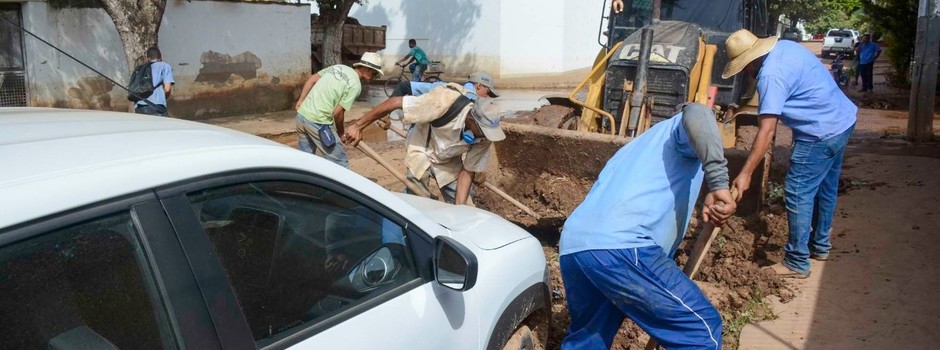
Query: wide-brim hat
x,y
486,114
371,60
743,47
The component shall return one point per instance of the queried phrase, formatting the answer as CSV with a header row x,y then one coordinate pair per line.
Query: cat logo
x,y
658,53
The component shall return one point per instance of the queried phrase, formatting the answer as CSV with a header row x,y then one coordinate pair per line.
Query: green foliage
x,y
898,20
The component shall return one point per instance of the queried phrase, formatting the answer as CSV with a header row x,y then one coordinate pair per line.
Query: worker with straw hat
x,y
794,87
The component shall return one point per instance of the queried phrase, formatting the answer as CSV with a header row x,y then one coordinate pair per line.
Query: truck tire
x,y
524,339
825,54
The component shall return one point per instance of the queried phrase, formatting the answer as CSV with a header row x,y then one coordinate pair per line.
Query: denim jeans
x,y
810,191
308,137
416,70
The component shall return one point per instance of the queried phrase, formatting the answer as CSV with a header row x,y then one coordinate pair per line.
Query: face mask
x,y
468,137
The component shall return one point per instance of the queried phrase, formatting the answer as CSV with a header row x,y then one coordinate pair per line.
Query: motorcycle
x,y
837,69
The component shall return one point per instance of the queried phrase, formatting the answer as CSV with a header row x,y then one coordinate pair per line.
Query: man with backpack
x,y
323,102
450,140
150,84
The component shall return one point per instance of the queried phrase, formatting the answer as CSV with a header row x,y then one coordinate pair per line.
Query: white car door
x,y
323,267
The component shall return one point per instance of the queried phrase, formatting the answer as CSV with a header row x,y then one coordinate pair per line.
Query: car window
x,y
296,254
840,33
82,287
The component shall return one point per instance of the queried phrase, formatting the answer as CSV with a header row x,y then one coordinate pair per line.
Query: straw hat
x,y
371,60
744,47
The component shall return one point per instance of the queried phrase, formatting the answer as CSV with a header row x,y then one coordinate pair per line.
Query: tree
x,y
794,10
138,24
333,15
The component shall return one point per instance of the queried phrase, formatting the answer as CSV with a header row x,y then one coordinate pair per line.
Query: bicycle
x,y
429,76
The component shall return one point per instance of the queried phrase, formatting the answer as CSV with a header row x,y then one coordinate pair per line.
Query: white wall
x,y
508,38
277,34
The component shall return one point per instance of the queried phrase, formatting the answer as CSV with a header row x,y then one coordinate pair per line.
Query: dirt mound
x,y
552,116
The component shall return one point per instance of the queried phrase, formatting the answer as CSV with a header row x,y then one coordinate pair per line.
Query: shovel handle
x,y
378,159
509,198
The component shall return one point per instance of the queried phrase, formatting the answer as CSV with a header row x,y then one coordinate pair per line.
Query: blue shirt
x,y
643,197
420,88
162,73
867,52
794,85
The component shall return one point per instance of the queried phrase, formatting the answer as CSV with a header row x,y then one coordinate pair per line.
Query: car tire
x,y
825,54
524,339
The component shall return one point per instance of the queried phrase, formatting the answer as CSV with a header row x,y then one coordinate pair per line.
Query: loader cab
x,y
723,16
678,28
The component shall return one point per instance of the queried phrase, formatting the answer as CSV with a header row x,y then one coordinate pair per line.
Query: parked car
x,y
839,40
138,232
792,34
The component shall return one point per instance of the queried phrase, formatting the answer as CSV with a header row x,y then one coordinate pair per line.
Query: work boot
x,y
783,271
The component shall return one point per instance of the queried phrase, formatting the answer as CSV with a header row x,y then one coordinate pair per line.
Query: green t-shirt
x,y
419,55
338,85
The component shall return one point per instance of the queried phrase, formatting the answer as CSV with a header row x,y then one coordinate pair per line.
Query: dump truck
x,y
357,39
654,56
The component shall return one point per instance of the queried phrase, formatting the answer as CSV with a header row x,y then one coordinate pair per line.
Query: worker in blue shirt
x,y
795,88
617,246
868,52
479,82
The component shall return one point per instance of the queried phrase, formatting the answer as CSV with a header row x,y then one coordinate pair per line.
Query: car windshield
x,y
723,16
840,33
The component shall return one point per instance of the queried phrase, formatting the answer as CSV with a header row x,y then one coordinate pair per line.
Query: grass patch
x,y
756,310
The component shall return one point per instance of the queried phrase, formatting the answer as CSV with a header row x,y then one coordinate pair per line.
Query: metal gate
x,y
12,59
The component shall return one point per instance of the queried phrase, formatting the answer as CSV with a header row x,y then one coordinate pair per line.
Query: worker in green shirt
x,y
419,58
323,103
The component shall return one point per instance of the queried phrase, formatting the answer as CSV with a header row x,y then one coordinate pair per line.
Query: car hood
x,y
469,225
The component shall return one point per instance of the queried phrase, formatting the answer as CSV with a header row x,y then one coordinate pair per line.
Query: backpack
x,y
140,86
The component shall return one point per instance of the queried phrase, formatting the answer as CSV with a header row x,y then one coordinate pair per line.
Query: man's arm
x,y
354,134
464,180
306,90
166,89
700,125
765,135
407,59
339,116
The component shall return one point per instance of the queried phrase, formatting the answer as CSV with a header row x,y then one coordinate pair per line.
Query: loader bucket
x,y
551,171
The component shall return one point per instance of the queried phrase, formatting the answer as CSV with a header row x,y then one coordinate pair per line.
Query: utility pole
x,y
924,72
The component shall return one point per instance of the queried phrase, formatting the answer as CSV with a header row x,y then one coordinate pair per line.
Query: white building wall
x,y
508,38
275,36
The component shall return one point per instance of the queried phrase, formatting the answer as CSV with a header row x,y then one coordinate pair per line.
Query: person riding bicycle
x,y
419,58
477,83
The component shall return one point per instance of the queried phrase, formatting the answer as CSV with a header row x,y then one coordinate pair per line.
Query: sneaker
x,y
784,272
819,256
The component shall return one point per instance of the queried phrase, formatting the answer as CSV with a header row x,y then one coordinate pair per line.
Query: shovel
x,y
375,156
704,241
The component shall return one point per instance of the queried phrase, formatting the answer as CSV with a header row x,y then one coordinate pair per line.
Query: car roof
x,y
57,159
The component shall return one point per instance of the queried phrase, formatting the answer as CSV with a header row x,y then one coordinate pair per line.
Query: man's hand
x,y
719,206
352,136
741,184
618,6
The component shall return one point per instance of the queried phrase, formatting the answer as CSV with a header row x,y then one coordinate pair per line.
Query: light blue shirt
x,y
162,73
643,197
867,52
794,85
420,88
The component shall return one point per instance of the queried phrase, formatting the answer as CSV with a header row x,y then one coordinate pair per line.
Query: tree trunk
x,y
138,24
332,16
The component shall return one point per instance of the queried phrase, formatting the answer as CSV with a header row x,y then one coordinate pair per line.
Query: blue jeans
x,y
810,191
308,137
604,286
417,70
160,110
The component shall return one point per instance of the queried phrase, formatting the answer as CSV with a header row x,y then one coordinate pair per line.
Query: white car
x,y
839,41
122,231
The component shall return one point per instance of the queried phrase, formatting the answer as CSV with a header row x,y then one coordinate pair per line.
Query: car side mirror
x,y
455,266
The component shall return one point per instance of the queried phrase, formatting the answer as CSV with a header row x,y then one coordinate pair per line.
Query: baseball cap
x,y
485,79
486,114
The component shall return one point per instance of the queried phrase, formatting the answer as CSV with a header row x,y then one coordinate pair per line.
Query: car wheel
x,y
825,54
524,339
